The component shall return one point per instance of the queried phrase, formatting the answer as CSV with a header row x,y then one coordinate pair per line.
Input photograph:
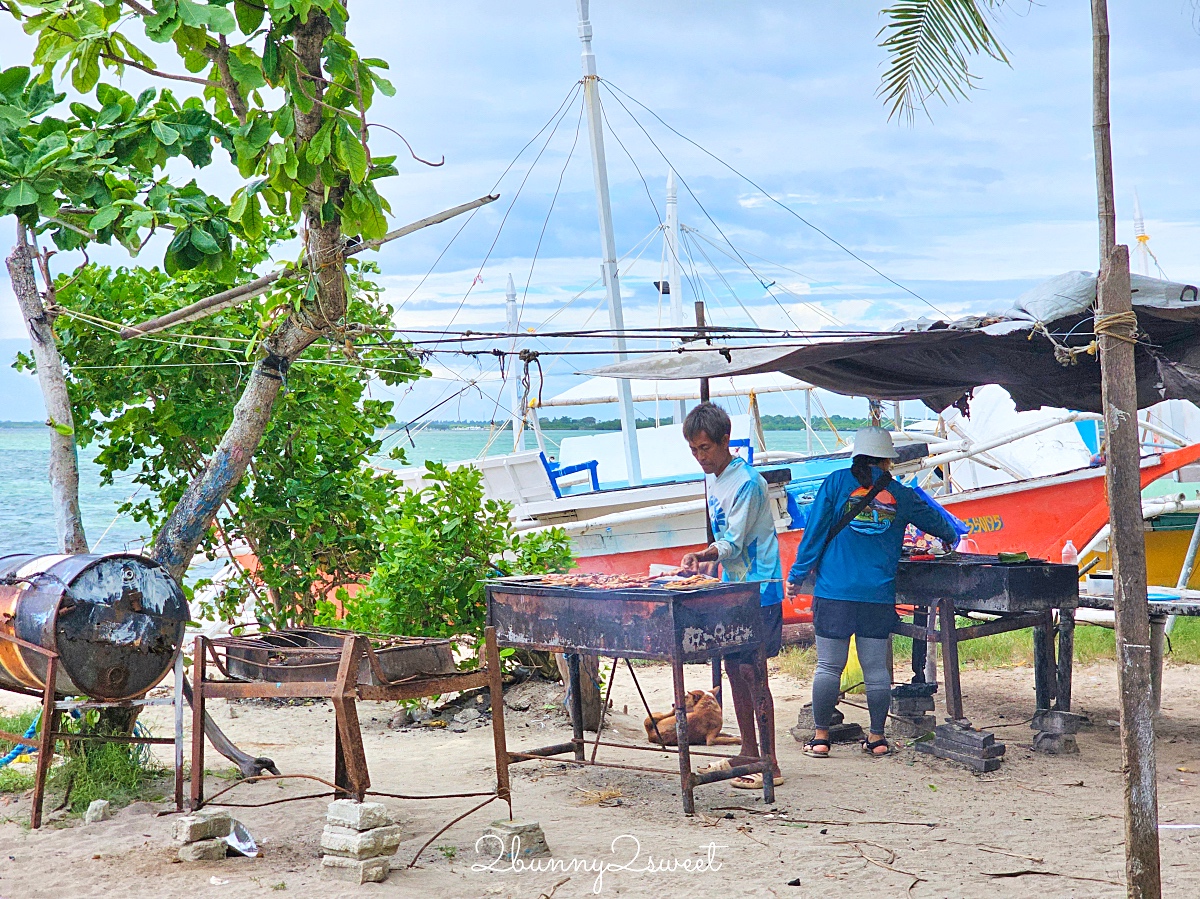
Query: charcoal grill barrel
x,y
115,621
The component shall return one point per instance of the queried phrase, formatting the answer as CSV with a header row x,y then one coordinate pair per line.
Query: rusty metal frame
x,y
49,734
351,775
1051,681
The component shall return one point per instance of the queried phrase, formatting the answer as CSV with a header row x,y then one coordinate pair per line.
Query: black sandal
x,y
869,747
810,748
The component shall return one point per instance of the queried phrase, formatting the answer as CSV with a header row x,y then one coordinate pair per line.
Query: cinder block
x,y
360,844
517,839
372,870
203,851
357,815
206,824
98,811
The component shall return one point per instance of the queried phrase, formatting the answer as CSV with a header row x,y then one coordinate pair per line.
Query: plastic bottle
x,y
1070,555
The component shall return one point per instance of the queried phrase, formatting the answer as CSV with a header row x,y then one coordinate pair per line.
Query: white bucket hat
x,y
874,441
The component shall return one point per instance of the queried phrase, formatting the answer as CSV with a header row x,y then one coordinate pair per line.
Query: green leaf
x,y
13,81
65,430
164,132
204,242
104,217
193,14
86,72
270,59
929,44
352,155
20,194
221,20
238,207
249,16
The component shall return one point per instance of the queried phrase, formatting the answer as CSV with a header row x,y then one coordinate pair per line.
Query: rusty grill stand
x,y
351,778
662,625
51,714
957,739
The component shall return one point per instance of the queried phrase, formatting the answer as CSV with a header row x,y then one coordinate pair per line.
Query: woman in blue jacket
x,y
855,591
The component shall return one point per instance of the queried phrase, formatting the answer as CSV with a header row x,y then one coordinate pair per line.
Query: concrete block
x,y
98,811
372,870
360,844
203,851
357,815
206,824
911,727
517,839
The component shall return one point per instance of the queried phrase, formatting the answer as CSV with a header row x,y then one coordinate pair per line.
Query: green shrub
x,y
439,546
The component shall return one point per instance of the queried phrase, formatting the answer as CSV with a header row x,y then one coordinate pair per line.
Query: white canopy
x,y
595,391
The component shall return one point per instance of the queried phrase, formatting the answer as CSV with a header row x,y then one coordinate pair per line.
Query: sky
x,y
966,208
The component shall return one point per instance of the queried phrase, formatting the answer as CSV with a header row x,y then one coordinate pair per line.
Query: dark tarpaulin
x,y
940,363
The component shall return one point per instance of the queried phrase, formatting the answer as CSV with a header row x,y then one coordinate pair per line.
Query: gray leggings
x,y
827,681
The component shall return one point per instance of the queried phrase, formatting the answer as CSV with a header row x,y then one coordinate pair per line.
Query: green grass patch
x,y
797,661
1184,648
16,724
14,781
112,771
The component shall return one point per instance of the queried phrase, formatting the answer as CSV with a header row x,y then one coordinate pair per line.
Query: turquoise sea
x,y
27,518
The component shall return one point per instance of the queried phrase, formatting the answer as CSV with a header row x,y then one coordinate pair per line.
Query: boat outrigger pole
x,y
608,268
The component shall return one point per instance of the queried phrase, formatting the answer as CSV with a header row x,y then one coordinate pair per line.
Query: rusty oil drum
x,y
116,622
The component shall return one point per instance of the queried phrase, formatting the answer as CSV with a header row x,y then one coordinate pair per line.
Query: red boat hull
x,y
1037,516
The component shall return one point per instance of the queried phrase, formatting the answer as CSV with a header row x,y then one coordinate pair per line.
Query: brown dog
x,y
703,722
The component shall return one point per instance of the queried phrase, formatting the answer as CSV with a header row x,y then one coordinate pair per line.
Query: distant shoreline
x,y
22,424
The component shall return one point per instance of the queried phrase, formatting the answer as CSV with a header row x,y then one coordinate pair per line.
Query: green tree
x,y
82,174
308,508
292,94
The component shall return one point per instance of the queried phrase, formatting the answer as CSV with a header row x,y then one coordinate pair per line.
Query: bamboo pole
x,y
1116,330
213,304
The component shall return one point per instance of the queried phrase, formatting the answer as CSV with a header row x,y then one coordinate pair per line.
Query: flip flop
x,y
751,781
810,748
723,765
869,747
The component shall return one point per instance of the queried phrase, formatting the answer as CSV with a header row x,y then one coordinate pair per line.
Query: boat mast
x,y
673,279
608,268
518,418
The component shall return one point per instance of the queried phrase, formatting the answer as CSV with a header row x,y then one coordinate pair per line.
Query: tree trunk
x,y
64,462
1116,330
176,542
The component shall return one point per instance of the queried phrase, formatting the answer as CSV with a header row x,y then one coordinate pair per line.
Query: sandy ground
x,y
963,835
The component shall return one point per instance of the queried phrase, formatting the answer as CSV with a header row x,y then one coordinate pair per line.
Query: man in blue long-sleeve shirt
x,y
744,543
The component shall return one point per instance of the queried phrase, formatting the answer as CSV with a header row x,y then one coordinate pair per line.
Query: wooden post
x,y
1132,611
575,696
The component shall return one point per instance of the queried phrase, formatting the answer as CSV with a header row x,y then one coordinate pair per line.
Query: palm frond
x,y
929,45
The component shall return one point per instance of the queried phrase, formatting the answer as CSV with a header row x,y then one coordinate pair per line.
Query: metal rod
x,y
178,703
612,676
1189,564
514,402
